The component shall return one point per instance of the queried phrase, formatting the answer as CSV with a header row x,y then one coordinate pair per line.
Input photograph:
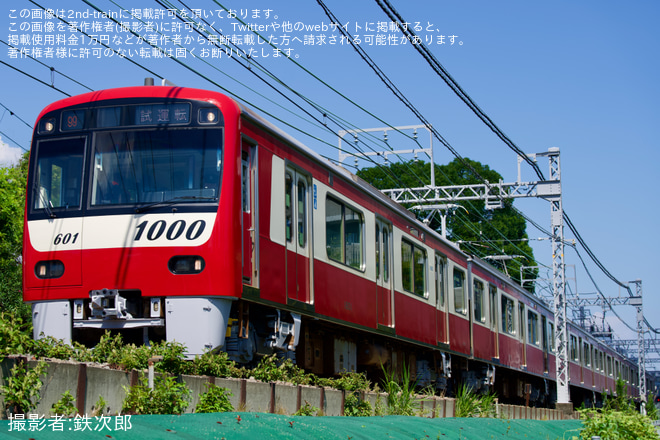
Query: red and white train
x,y
178,214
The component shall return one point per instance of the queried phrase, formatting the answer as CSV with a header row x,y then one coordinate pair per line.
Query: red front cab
x,y
121,223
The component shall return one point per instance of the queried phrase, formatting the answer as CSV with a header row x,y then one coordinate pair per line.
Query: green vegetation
x,y
100,407
618,420
400,393
21,389
307,410
215,399
167,397
471,404
13,181
64,406
272,369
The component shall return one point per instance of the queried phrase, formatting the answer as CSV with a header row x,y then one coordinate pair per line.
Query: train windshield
x,y
59,174
152,167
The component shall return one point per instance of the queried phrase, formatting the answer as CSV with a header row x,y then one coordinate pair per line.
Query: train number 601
x,y
174,231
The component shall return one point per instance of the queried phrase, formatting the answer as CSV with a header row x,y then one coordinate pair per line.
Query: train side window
x,y
574,349
386,254
533,327
245,180
413,268
544,333
377,252
493,306
553,347
586,355
508,318
479,301
521,320
288,187
344,228
459,292
302,213
440,274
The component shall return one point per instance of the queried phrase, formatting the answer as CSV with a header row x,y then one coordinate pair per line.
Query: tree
x,y
481,232
13,181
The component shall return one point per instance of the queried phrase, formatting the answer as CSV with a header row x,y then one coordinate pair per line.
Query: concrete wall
x,y
86,382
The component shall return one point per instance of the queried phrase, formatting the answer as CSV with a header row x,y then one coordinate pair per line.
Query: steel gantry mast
x,y
493,194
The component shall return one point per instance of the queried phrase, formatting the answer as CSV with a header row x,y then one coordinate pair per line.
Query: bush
x,y
64,406
470,404
307,410
21,389
616,425
400,396
15,336
213,364
272,369
167,397
215,399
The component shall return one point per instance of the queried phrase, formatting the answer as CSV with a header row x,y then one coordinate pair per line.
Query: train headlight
x,y
47,126
186,264
49,269
208,116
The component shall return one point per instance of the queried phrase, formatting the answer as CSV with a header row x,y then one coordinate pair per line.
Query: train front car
x,y
133,217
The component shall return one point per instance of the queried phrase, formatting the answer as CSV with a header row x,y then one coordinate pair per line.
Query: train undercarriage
x,y
327,349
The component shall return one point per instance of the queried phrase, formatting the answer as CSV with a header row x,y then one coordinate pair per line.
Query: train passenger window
x,y
459,292
288,187
586,355
302,213
344,228
552,337
521,320
59,174
413,268
533,327
382,253
245,182
574,349
508,319
377,252
544,333
440,267
386,254
493,306
479,301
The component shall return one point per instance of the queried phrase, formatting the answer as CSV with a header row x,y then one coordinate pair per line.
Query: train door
x,y
442,323
248,205
298,262
383,273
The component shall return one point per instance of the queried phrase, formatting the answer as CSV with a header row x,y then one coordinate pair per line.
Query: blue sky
x,y
577,75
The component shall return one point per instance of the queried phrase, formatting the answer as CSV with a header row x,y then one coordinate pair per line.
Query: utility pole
x,y
637,302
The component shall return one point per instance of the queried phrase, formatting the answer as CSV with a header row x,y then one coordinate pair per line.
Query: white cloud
x,y
9,155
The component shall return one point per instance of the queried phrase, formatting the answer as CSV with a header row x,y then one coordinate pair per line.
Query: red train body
x,y
178,214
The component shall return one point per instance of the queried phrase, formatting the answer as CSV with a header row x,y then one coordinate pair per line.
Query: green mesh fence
x,y
258,426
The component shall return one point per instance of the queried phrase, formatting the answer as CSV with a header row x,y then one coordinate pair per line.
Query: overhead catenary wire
x,y
51,68
393,14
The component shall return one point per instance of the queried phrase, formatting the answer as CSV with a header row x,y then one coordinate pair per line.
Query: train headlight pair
x,y
186,264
